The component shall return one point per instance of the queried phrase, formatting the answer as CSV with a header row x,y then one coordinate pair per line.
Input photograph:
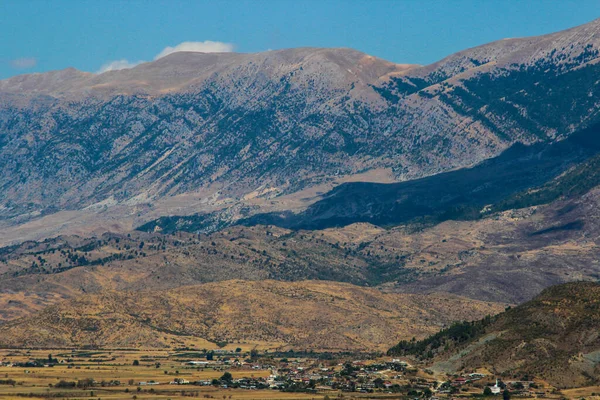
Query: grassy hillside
x,y
302,315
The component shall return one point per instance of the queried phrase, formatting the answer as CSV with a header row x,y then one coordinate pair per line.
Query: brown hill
x,y
553,337
302,315
507,257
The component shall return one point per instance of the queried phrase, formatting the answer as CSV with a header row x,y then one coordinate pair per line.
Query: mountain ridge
x,y
239,132
181,70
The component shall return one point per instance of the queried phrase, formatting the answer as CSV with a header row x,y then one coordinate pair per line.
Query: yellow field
x,y
589,392
99,365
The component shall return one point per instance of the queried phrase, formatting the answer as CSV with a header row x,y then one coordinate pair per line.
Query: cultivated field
x,y
106,367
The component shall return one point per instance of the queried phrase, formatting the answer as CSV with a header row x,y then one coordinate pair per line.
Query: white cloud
x,y
207,46
117,65
23,63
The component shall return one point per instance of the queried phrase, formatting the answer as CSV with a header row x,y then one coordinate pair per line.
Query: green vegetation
x,y
575,182
546,89
456,334
227,378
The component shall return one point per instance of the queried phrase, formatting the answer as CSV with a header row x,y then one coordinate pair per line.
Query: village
x,y
366,376
231,372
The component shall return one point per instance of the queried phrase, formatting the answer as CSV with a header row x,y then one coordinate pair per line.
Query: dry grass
x,y
38,381
313,315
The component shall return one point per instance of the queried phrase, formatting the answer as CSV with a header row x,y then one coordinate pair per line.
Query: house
x,y
459,381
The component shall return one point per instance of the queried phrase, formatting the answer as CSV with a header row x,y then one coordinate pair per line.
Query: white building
x,y
496,389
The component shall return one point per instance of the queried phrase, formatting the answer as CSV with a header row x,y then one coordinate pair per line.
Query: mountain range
x,y
167,198
245,133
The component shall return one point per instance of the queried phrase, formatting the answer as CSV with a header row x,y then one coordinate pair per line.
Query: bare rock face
x,y
184,122
275,123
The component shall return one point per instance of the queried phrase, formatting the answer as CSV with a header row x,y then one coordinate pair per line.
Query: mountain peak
x,y
180,70
564,45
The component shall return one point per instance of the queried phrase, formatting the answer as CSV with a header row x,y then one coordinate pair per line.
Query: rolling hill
x,y
303,315
506,257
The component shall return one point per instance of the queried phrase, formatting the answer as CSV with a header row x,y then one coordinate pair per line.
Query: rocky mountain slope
x,y
197,132
505,182
553,336
302,315
476,177
208,119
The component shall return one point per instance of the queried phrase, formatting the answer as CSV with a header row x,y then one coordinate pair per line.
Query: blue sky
x,y
40,35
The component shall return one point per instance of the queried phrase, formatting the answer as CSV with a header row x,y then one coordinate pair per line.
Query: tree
x,y
210,355
65,384
86,383
238,350
487,391
136,362
519,386
506,395
227,377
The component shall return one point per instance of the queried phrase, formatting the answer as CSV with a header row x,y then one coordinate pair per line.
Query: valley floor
x,y
152,374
